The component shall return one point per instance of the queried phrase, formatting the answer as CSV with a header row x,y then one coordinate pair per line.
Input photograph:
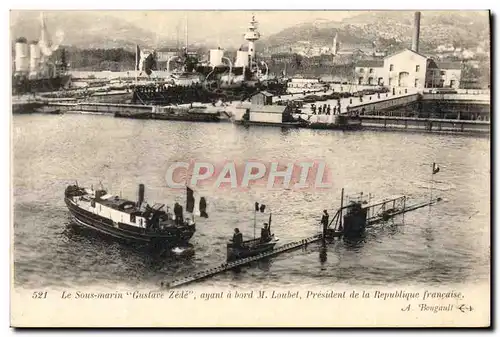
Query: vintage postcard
x,y
250,168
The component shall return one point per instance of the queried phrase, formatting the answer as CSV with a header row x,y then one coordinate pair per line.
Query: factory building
x,y
164,54
370,72
408,68
450,74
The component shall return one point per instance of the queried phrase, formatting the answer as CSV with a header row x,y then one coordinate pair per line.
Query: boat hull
x,y
25,108
133,115
250,248
24,85
282,125
332,126
236,254
188,117
170,238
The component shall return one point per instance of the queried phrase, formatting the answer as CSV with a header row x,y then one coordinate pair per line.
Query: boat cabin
x,y
270,114
262,98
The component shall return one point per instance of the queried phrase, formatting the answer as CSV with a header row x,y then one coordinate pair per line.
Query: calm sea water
x,y
445,244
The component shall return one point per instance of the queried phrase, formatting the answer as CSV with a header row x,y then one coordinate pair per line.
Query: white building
x,y
409,69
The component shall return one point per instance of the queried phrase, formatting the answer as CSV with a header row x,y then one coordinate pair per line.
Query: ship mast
x,y
252,35
43,32
186,33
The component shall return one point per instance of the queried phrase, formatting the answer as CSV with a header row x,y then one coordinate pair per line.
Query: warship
x,y
36,67
219,78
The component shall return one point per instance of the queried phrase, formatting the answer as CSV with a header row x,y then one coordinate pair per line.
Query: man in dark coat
x,y
265,233
178,214
324,219
237,238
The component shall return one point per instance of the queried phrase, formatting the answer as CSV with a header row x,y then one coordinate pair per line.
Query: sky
x,y
233,24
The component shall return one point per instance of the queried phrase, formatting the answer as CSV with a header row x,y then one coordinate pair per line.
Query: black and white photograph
x,y
182,168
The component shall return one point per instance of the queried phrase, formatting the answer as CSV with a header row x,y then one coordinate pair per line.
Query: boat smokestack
x,y
416,32
140,197
22,56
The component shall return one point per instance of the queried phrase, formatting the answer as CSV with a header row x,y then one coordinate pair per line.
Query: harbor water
x,y
445,244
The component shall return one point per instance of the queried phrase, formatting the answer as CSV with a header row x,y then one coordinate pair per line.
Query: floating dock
x,y
374,219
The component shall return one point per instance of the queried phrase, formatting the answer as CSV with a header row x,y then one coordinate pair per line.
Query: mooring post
x,y
404,207
341,209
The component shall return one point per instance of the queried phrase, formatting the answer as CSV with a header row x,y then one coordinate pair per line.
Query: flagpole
x,y
136,63
254,222
432,183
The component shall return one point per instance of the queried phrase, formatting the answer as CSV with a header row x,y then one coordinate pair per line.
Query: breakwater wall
x,y
394,123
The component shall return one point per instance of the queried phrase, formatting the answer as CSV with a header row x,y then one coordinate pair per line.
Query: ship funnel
x,y
241,59
22,55
216,57
416,32
140,197
35,56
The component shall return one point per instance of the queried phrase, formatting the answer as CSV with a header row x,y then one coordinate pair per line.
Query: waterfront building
x,y
408,68
370,72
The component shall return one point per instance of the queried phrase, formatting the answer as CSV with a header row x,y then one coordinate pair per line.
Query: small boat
x,y
250,248
340,122
186,114
254,246
131,221
282,125
50,110
134,115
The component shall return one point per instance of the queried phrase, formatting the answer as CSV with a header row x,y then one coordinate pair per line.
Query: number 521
x,y
39,295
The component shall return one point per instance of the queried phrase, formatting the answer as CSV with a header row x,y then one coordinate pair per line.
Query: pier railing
x,y
477,98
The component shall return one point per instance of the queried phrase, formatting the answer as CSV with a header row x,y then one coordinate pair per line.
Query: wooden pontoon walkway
x,y
288,247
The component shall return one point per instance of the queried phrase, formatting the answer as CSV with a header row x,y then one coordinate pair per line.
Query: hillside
x,y
83,29
461,28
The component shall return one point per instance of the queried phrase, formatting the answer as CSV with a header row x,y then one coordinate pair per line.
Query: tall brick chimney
x,y
416,32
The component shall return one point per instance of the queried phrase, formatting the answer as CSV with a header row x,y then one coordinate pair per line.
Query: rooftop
x,y
265,93
404,50
370,63
449,65
272,109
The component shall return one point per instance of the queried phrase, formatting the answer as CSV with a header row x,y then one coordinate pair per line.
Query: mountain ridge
x,y
382,28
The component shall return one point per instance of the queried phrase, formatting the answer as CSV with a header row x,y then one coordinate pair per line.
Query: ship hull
x,y
282,125
201,94
188,117
123,232
24,108
24,85
325,126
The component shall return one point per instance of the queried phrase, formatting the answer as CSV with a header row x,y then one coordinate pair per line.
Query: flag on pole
x,y
435,168
203,207
260,207
189,200
198,209
149,63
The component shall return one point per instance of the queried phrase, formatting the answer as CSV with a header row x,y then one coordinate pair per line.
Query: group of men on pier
x,y
324,110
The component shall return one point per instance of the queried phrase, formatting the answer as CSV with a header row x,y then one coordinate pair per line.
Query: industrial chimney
x,y
416,32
